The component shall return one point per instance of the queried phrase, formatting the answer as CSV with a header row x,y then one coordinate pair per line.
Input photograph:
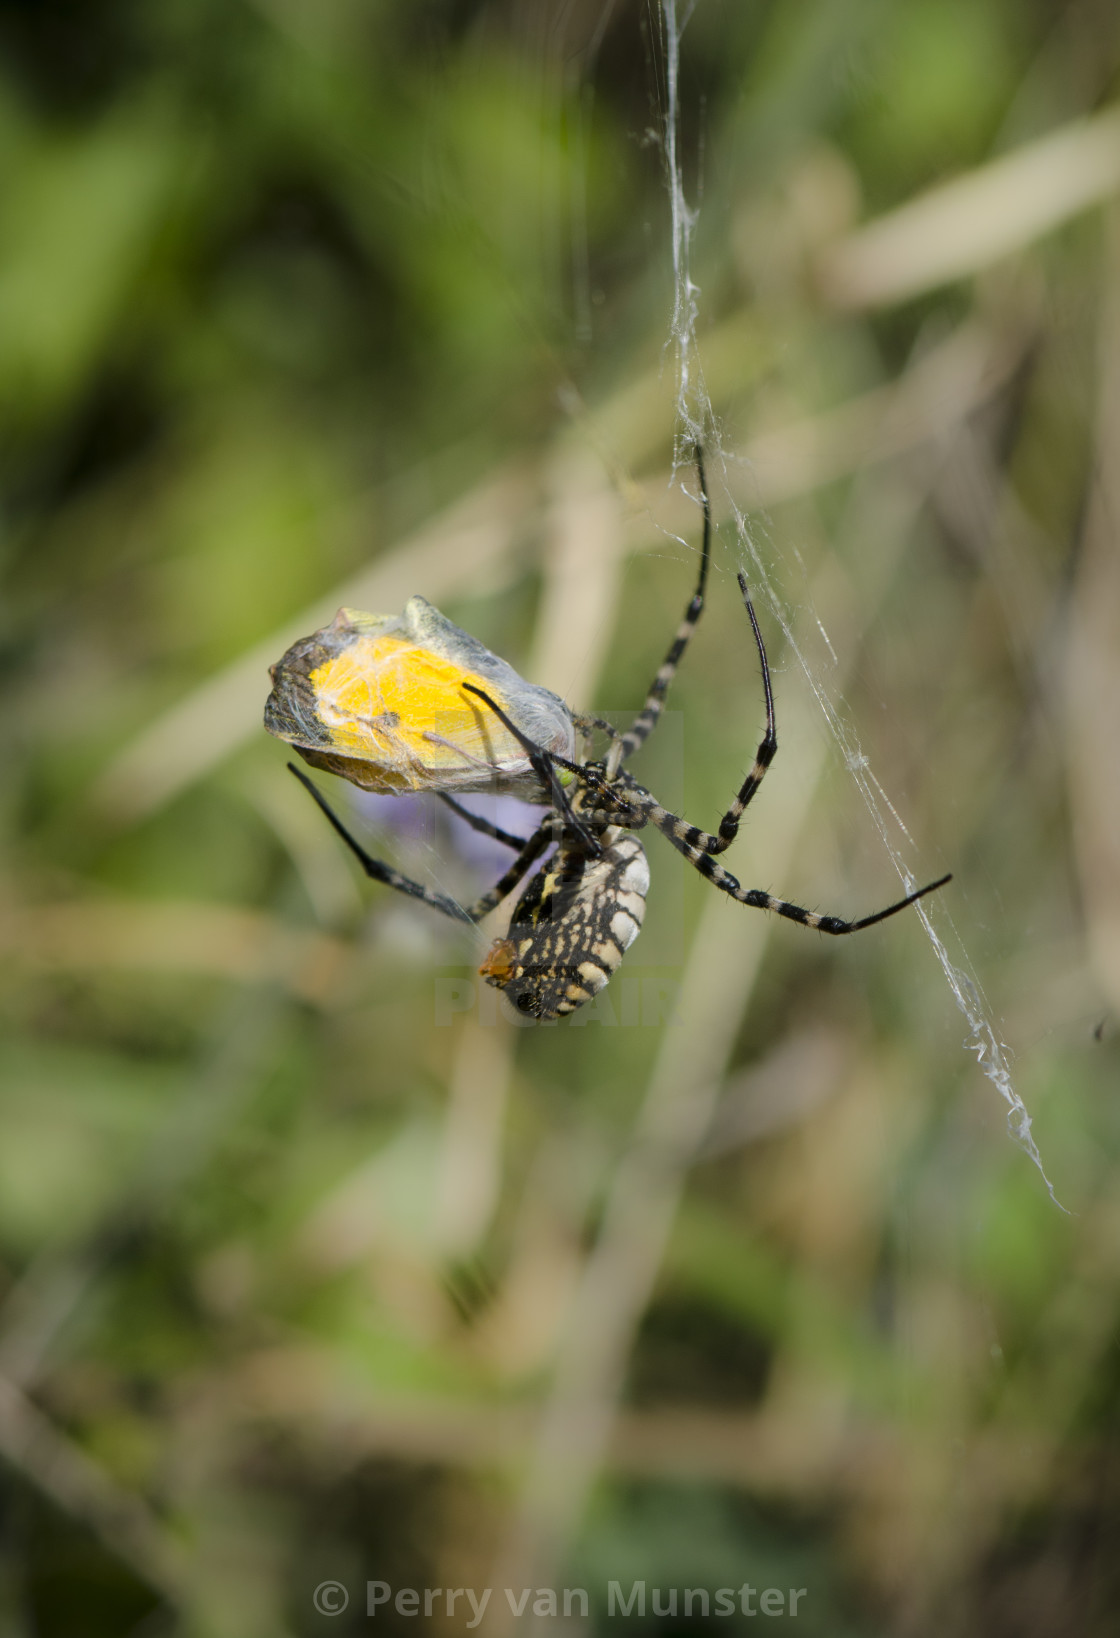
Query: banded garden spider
x,y
583,907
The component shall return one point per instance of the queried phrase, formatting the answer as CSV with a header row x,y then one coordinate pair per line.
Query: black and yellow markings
x,y
572,927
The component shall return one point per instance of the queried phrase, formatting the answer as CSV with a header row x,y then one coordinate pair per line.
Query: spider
x,y
583,907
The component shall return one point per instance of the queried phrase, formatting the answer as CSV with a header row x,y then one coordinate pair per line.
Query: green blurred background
x,y
314,1267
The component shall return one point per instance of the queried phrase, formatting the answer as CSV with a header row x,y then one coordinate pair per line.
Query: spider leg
x,y
690,841
477,822
544,766
380,872
646,720
587,725
757,900
690,837
767,748
541,838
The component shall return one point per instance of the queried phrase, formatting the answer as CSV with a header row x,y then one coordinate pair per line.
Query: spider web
x,y
696,421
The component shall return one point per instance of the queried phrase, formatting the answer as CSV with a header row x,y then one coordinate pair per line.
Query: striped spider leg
x,y
485,827
529,851
648,717
698,846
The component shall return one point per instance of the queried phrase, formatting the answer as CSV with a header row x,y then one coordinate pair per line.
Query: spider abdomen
x,y
571,928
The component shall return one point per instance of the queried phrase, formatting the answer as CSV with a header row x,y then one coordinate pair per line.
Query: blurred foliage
x,y
289,1223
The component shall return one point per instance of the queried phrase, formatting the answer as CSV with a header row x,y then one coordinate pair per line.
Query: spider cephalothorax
x,y
460,719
